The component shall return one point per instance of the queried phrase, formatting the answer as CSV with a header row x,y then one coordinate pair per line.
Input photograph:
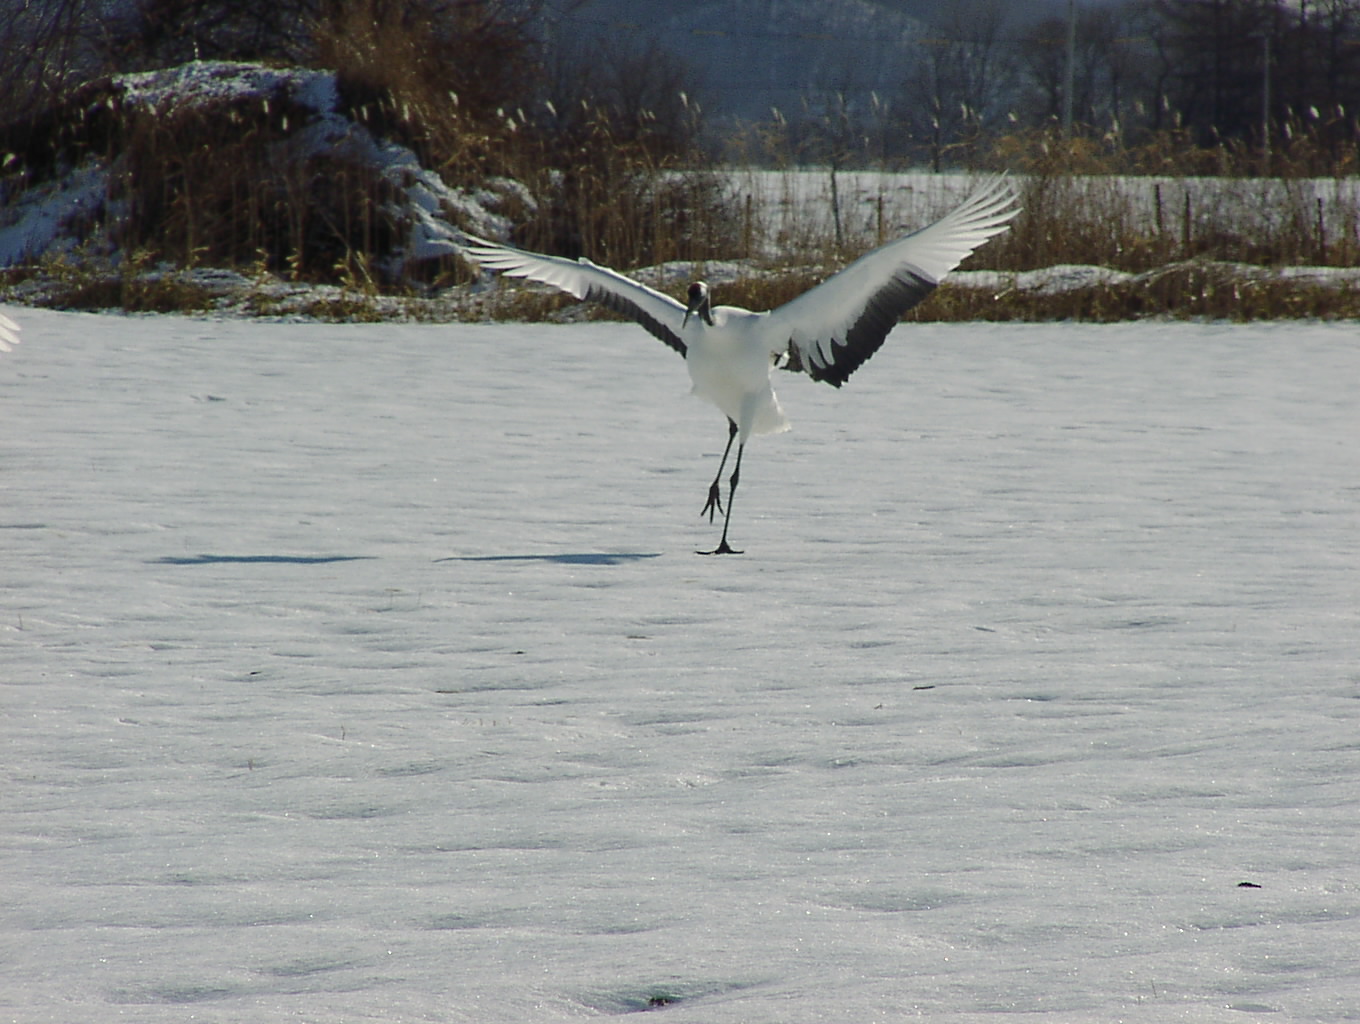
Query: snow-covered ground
x,y
879,205
367,673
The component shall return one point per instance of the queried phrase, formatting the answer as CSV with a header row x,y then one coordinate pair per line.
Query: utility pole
x,y
1070,74
1265,98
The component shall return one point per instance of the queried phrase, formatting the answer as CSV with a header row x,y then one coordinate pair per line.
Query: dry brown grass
x,y
1189,290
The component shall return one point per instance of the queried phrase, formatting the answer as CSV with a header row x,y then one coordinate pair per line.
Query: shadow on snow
x,y
266,559
586,558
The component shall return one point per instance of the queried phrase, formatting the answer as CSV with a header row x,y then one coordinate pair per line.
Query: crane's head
x,y
698,303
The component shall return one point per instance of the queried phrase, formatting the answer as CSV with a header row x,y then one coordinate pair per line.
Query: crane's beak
x,y
696,305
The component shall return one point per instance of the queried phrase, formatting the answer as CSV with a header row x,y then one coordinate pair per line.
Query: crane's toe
x,y
714,504
722,549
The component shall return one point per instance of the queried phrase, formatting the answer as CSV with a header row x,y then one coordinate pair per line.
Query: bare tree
x,y
962,73
634,89
45,50
1216,48
1109,79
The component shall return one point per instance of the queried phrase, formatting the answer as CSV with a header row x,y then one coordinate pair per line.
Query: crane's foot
x,y
714,506
722,549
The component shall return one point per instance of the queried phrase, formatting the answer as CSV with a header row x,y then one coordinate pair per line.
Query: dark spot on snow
x,y
927,686
642,999
256,559
1248,885
586,558
637,1002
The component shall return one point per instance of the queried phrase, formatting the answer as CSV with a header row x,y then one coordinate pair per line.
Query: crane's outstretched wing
x,y
833,328
659,313
9,333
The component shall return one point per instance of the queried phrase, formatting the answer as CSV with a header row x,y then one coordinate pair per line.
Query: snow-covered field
x,y
877,205
356,673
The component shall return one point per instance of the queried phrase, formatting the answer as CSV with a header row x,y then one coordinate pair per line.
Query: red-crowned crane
x,y
827,332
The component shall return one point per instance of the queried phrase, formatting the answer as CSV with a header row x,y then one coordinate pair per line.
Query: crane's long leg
x,y
723,547
714,489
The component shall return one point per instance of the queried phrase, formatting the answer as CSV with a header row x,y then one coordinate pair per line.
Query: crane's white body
x,y
729,364
827,332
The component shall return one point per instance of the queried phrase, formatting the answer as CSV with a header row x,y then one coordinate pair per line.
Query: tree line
x,y
1264,76
1258,74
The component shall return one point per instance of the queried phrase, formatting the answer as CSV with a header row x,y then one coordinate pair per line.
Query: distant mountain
x,y
748,56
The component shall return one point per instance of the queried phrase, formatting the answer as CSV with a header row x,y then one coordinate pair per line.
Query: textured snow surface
x,y
367,673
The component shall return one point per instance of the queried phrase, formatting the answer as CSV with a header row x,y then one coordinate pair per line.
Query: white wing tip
x,y
9,333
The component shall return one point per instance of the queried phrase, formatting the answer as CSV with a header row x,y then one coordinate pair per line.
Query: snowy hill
x,y
81,204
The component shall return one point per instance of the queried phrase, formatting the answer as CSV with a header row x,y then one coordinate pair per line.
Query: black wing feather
x,y
866,335
620,304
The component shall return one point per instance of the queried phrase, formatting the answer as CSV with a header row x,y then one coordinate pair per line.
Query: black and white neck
x,y
698,303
